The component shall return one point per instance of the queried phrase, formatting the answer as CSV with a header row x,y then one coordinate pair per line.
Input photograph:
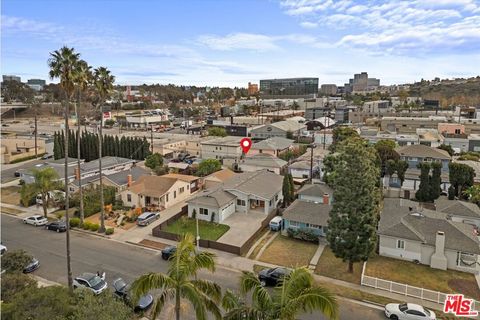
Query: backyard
x,y
449,281
208,230
289,252
330,266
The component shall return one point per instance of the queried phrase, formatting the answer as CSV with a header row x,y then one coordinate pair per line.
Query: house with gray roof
x,y
459,211
277,129
263,161
409,232
258,191
273,146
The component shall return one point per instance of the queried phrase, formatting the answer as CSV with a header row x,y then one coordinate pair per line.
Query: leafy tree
x,y
154,160
340,134
295,295
423,192
180,283
12,283
208,166
473,194
287,190
398,166
45,181
217,131
15,261
461,177
386,151
103,307
451,193
354,214
447,148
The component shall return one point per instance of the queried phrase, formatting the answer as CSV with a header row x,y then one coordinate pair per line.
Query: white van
x,y
276,223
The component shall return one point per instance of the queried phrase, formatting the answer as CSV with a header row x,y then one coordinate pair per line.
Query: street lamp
x,y
311,146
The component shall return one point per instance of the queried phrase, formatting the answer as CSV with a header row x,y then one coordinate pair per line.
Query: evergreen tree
x,y
461,177
292,187
123,147
116,151
62,145
354,215
423,192
56,147
435,181
286,191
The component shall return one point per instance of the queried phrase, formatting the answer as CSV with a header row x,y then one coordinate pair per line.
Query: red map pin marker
x,y
245,143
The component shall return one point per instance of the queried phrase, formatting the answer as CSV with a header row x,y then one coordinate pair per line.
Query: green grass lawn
x,y
330,266
448,281
289,252
208,230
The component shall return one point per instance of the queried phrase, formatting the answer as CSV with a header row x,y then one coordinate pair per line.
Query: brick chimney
x,y
129,180
326,198
77,173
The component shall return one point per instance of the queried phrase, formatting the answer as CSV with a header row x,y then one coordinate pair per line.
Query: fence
x,y
405,289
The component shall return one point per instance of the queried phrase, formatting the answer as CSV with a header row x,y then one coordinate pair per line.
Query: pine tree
x,y
354,215
423,192
286,192
292,187
122,147
435,181
116,147
62,144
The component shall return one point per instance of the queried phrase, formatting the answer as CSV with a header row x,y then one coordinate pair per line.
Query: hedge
x,y
74,222
109,231
26,158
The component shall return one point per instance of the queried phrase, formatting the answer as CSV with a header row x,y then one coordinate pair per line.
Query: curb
x,y
90,233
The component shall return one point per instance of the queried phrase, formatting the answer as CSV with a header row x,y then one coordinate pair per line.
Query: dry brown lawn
x,y
289,252
330,266
11,195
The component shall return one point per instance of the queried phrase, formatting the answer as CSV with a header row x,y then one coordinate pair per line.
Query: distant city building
x,y
252,89
289,88
11,78
328,89
361,83
36,84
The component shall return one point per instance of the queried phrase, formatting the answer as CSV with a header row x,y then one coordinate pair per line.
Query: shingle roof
x,y
106,162
457,207
301,165
216,197
221,175
121,178
274,143
265,160
308,212
315,190
263,183
183,177
155,186
420,150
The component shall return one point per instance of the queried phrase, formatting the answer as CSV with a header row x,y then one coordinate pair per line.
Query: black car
x,y
271,277
168,252
59,226
32,266
122,290
16,174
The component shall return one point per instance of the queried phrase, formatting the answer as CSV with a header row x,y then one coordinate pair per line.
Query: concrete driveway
x,y
242,226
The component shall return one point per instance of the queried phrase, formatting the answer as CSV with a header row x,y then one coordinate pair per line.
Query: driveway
x,y
242,226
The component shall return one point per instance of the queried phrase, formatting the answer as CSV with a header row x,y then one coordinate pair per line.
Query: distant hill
x,y
449,92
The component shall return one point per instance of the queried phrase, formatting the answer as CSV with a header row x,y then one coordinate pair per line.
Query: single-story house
x,y
301,169
408,232
251,192
273,146
159,191
315,193
277,129
263,161
459,211
217,178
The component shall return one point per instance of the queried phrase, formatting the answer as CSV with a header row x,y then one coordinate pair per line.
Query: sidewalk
x,y
25,212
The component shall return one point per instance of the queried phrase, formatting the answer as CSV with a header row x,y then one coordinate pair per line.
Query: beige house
x,y
17,148
273,146
169,147
159,192
222,148
217,178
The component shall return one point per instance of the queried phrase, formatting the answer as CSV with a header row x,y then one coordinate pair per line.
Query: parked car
x,y
59,226
272,277
408,311
17,174
122,289
147,217
36,220
276,223
168,252
3,249
47,156
32,266
91,281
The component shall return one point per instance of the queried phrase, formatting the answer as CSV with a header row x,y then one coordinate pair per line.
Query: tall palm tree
x,y
295,294
82,78
103,82
62,65
181,283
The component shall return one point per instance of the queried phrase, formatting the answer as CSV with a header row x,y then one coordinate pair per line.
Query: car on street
x,y
273,276
32,266
122,289
47,156
58,226
36,220
147,217
408,311
3,249
17,174
168,252
91,281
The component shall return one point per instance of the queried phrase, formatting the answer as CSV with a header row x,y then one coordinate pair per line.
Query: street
x,y
91,253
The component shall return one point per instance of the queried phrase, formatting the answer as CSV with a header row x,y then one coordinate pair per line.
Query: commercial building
x,y
289,88
328,89
278,129
252,89
36,84
222,148
378,106
361,83
11,78
316,112
17,148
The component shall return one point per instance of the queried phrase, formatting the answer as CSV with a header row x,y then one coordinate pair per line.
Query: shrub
x,y
59,215
212,217
86,225
109,231
451,193
94,227
74,222
302,234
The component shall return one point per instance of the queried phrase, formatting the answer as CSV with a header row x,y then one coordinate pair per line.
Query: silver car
x,y
147,217
91,281
36,220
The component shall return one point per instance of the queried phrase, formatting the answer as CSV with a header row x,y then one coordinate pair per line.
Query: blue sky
x,y
215,42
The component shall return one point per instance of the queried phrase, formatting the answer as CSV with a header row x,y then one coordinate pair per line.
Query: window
x,y
240,202
415,313
174,194
167,197
182,189
313,226
466,259
204,211
188,186
294,224
400,244
129,197
457,131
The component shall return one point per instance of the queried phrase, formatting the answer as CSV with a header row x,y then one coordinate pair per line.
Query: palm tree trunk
x,y
177,304
100,140
44,205
350,266
67,204
78,160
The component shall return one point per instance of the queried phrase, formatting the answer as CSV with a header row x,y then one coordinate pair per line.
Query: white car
x,y
36,220
91,281
408,311
3,249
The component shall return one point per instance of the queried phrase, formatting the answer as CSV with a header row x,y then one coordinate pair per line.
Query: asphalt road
x,y
9,174
91,254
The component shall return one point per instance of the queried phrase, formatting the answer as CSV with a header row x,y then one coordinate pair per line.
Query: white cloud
x,y
309,24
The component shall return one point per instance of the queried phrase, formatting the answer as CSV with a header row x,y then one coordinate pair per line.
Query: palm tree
x,y
181,283
103,82
45,182
82,77
295,294
62,65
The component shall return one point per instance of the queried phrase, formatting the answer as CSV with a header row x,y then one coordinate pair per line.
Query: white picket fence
x,y
405,289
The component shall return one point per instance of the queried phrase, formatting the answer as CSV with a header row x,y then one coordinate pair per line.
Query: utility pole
x,y
36,130
311,146
151,137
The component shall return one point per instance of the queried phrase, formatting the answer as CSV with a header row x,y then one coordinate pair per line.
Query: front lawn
x,y
289,252
330,266
208,230
448,281
11,195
